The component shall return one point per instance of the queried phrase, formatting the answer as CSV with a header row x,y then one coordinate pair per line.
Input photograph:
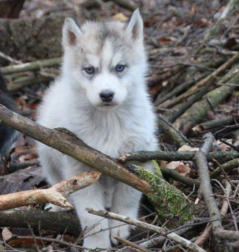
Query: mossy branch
x,y
169,202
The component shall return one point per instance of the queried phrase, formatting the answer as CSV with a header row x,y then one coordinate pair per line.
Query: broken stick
x,y
55,194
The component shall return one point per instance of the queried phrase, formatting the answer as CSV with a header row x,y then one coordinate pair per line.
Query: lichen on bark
x,y
169,202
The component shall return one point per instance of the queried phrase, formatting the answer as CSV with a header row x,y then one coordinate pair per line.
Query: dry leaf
x,y
180,167
198,128
25,242
186,147
120,16
183,169
224,147
174,164
165,40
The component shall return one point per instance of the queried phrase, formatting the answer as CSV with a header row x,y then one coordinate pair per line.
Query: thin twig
x,y
173,236
10,59
131,244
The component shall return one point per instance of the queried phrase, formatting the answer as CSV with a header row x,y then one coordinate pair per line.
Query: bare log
x,y
55,194
60,222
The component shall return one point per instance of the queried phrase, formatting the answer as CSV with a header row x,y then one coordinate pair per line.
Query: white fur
x,y
127,125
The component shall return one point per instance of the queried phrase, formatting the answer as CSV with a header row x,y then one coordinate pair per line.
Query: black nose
x,y
107,95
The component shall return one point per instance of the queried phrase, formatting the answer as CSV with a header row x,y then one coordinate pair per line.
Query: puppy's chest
x,y
111,138
109,141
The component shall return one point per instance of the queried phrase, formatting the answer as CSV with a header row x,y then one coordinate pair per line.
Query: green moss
x,y
168,201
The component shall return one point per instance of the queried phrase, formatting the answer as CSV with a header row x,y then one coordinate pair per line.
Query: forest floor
x,y
193,79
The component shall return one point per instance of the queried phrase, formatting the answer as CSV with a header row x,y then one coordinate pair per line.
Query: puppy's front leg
x,y
89,197
93,226
126,202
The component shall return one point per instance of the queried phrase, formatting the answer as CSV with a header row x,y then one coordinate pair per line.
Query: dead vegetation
x,y
193,80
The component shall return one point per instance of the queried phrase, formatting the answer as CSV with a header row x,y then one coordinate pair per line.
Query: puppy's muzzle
x,y
106,96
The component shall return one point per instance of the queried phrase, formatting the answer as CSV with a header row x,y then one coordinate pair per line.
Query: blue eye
x,y
119,68
89,70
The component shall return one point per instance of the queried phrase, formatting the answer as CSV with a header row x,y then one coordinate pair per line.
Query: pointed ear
x,y
135,27
70,33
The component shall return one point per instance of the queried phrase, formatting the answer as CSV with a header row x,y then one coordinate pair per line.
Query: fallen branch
x,y
211,77
215,123
10,59
176,91
206,189
160,239
55,194
200,109
162,231
36,65
157,189
20,83
174,134
205,186
226,234
189,102
167,100
59,222
228,166
178,177
143,156
69,144
169,202
205,234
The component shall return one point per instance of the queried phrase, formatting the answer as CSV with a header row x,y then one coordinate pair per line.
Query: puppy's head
x,y
105,59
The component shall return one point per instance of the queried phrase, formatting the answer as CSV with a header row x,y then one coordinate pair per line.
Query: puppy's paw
x,y
119,229
97,241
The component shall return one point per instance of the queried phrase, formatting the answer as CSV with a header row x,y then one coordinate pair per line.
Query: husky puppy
x,y
101,97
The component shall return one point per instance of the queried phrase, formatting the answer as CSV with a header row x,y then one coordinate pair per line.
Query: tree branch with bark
x,y
219,232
